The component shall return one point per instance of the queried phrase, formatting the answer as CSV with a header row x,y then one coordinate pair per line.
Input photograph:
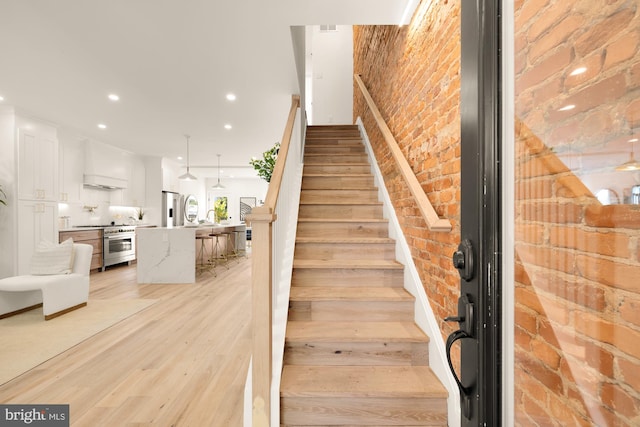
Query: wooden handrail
x,y
262,219
434,222
278,171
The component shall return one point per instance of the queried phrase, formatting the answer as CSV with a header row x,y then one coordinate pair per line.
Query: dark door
x,y
478,255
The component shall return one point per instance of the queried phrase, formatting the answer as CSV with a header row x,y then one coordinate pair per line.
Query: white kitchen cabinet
x,y
37,162
38,220
137,182
134,194
71,167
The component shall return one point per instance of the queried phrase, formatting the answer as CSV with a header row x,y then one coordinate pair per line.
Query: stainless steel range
x,y
119,245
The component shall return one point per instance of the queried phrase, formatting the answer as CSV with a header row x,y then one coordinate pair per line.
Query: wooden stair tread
x,y
340,202
309,293
348,263
360,381
338,240
337,175
319,331
349,220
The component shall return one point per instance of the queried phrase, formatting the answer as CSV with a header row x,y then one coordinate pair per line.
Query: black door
x,y
479,253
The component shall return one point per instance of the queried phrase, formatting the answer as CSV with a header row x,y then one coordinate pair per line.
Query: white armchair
x,y
57,294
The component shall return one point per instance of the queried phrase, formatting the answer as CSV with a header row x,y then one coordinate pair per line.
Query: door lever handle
x,y
465,317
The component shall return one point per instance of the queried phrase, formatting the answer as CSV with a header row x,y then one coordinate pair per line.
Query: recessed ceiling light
x,y
567,107
228,126
231,97
102,126
179,157
114,97
1,98
578,71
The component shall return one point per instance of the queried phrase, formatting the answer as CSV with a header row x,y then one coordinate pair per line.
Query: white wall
x,y
234,189
8,181
332,76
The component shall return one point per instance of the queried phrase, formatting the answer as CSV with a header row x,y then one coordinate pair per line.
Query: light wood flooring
x,y
181,362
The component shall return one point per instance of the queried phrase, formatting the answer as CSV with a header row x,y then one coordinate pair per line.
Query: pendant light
x,y
187,176
218,185
632,164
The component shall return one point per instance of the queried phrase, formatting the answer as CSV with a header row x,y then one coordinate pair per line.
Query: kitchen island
x,y
168,254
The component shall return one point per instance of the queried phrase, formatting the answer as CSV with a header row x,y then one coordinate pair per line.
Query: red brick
x,y
609,273
603,243
557,34
548,19
567,414
621,50
571,288
632,113
563,213
536,414
593,65
619,400
553,64
529,10
604,92
600,33
630,309
613,216
541,373
630,371
571,186
634,80
623,338
545,353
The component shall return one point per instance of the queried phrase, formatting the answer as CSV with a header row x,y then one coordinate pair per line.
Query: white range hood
x,y
105,166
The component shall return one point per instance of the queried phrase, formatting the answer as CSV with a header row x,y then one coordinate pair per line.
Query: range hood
x,y
104,182
105,166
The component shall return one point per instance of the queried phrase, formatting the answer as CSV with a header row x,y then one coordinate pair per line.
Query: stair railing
x,y
434,222
268,239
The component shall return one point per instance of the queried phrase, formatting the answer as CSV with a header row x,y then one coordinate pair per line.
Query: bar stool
x,y
230,246
203,264
216,252
241,242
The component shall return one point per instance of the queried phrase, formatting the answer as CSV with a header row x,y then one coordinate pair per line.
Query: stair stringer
x,y
424,316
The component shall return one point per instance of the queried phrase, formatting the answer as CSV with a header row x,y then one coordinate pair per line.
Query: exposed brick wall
x,y
578,271
413,75
577,278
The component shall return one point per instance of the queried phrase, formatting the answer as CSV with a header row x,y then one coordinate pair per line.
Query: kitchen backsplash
x,y
96,213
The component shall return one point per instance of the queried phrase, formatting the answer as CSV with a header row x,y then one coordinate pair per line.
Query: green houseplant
x,y
265,166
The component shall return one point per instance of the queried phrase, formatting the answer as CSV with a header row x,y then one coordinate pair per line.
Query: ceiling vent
x,y
328,28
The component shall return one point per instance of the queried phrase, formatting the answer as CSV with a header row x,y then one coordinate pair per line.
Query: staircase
x,y
353,354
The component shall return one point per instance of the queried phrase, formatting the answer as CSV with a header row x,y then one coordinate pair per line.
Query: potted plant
x,y
265,166
139,214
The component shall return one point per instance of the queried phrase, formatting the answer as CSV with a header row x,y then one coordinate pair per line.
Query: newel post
x,y
262,219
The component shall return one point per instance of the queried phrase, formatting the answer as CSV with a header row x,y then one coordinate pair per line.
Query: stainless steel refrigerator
x,y
171,209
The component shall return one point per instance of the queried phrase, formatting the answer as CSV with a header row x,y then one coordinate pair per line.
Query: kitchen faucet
x,y
214,214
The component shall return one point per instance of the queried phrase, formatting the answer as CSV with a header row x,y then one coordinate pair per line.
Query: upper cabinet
x,y
37,161
71,161
134,193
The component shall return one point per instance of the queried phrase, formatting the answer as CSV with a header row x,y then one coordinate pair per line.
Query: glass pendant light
x,y
187,176
218,185
632,164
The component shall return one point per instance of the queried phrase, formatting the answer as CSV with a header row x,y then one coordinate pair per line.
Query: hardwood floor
x,y
181,362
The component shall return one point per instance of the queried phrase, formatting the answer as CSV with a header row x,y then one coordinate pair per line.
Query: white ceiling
x,y
171,62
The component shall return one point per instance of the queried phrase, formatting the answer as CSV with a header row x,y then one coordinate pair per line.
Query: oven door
x,y
119,248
